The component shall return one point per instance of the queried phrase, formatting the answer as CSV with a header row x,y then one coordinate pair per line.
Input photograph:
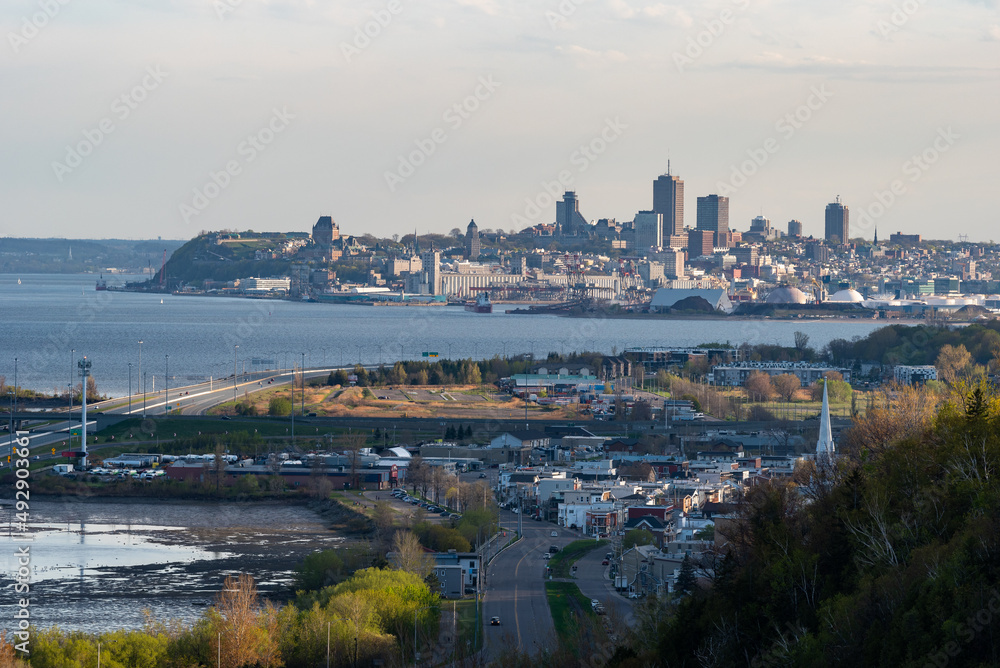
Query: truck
x,y
62,469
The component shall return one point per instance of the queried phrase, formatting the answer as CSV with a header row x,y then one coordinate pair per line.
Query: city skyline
x,y
393,116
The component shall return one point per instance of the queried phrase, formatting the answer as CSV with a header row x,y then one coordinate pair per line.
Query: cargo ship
x,y
101,283
482,304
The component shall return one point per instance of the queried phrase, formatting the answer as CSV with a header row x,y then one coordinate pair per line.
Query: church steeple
x,y
825,446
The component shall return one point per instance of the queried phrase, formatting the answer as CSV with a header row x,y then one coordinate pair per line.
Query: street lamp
x,y
138,374
129,388
166,385
303,367
236,349
72,370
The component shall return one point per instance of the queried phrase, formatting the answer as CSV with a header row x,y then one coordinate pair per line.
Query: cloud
x,y
992,33
489,7
658,12
583,53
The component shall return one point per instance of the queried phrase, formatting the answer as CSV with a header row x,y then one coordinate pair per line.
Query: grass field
x,y
567,604
469,640
560,563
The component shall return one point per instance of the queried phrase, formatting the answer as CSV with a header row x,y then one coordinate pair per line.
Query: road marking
x,y
517,621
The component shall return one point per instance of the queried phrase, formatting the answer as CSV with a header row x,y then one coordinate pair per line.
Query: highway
x,y
515,592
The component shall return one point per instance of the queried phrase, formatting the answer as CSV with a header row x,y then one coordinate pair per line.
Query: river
x,y
47,317
98,564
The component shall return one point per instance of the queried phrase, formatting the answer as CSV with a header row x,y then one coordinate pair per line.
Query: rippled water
x,y
97,565
46,316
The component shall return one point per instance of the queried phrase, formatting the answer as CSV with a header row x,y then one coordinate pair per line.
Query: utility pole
x,y
84,366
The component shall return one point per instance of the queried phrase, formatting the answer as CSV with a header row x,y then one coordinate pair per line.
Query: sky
x,y
146,118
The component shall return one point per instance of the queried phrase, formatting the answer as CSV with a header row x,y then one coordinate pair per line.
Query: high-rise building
x,y
700,242
838,228
761,226
431,272
648,230
713,213
568,217
794,228
668,200
472,245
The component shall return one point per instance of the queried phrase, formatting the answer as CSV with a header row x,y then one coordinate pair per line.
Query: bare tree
x,y
238,608
758,386
409,555
786,385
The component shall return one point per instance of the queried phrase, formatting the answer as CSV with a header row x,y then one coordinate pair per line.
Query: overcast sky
x,y
116,113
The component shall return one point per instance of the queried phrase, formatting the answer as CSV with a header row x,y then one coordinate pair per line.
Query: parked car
x,y
605,562
482,475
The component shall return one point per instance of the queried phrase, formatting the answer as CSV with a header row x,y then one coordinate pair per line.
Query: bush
x,y
279,406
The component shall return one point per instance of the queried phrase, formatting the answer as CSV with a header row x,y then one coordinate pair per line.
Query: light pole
x,y
166,385
129,388
138,374
303,367
84,365
236,350
415,631
69,431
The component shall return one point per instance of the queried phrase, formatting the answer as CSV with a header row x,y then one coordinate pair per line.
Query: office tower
x,y
472,245
700,242
837,223
713,213
431,272
761,226
794,228
568,217
668,200
648,230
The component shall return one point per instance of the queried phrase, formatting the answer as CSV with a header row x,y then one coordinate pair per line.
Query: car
x,y
554,534
553,549
599,609
226,417
546,556
634,594
494,621
605,562
444,513
482,475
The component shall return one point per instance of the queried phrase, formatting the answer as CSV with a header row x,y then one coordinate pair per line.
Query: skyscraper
x,y
713,213
838,228
648,230
568,216
472,243
668,199
794,228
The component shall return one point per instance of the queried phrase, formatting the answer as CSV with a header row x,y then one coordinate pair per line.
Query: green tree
x,y
635,537
686,581
279,406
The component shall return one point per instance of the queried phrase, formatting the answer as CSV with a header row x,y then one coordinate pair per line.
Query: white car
x,y
554,534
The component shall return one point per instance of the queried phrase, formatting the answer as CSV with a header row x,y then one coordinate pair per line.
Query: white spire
x,y
825,445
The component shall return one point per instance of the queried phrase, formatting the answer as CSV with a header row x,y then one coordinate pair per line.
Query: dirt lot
x,y
457,402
